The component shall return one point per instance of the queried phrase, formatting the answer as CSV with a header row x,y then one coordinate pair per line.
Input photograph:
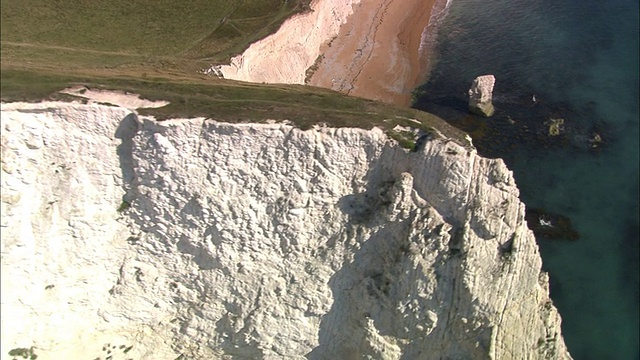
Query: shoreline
x,y
429,40
382,52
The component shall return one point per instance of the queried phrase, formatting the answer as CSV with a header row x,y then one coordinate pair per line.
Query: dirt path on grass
x,y
65,48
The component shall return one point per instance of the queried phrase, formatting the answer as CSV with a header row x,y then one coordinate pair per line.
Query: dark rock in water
x,y
550,225
598,137
555,126
595,140
481,95
520,122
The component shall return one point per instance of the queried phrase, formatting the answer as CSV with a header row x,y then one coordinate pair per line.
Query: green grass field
x,y
127,35
153,28
156,49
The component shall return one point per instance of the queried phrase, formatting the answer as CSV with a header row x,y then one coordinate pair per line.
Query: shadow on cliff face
x,y
201,255
126,131
363,207
371,293
361,293
361,288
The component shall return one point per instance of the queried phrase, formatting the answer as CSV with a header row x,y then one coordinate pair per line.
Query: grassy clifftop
x,y
231,101
156,49
144,33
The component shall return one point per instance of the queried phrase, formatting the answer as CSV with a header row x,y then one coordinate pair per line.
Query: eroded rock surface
x,y
481,95
254,241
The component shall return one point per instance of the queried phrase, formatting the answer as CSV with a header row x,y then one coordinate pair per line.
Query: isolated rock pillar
x,y
480,95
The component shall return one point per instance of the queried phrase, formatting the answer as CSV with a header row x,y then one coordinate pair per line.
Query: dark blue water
x,y
580,59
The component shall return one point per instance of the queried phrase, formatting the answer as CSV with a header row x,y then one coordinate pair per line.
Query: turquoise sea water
x,y
580,59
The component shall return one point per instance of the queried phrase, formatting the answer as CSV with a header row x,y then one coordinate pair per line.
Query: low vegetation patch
x,y
124,206
313,68
23,353
404,138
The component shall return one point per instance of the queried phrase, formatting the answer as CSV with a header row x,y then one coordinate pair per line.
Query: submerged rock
x,y
259,241
550,225
595,141
556,126
481,94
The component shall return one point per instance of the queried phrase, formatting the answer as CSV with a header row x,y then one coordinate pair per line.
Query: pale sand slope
x,y
377,52
285,56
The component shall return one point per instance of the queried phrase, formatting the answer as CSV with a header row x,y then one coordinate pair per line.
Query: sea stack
x,y
480,95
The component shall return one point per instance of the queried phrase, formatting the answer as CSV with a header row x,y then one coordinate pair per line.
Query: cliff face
x,y
285,56
259,241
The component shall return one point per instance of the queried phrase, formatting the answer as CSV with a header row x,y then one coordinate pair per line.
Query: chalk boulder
x,y
481,94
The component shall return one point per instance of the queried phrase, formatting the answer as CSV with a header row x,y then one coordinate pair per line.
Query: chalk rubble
x,y
252,241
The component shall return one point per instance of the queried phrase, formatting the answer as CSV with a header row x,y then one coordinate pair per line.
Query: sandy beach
x,y
377,52
373,49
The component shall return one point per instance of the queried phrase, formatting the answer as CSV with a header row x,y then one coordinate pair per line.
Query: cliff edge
x,y
194,239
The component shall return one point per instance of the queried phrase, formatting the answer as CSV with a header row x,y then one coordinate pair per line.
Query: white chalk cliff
x,y
247,241
285,56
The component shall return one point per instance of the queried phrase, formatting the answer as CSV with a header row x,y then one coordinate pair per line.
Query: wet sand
x,y
377,53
